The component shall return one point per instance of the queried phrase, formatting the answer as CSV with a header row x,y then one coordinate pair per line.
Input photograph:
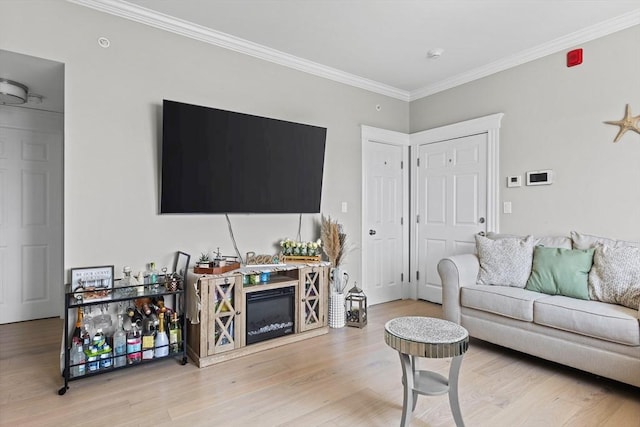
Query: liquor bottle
x,y
128,283
175,334
153,273
152,278
120,345
77,332
141,281
77,359
134,344
161,343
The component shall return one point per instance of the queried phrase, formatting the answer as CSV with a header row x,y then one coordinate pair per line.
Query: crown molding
x,y
585,35
155,19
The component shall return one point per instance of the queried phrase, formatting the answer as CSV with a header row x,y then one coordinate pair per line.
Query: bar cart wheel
x,y
63,390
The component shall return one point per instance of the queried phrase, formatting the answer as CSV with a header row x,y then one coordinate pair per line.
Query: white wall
x,y
112,132
554,120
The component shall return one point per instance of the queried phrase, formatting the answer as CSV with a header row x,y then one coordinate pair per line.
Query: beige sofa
x,y
597,337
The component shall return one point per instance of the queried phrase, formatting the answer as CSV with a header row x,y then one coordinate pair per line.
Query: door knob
x,y
481,220
372,232
482,233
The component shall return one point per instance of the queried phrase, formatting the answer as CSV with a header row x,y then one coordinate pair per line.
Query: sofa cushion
x,y
504,262
615,276
547,241
595,319
503,300
558,271
586,241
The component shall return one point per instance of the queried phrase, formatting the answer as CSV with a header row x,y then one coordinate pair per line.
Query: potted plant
x,y
204,260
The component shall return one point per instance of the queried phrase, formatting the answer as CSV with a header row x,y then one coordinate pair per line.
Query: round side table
x,y
428,337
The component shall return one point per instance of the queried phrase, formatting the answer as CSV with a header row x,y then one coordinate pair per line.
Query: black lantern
x,y
356,305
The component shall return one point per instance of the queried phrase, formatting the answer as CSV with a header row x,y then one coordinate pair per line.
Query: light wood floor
x,y
346,378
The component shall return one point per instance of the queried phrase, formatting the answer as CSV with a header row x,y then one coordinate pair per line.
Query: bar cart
x,y
168,288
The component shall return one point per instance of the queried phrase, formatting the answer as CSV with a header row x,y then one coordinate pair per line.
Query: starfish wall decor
x,y
626,123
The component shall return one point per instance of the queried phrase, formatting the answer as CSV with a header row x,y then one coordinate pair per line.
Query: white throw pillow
x,y
587,241
615,276
546,241
505,262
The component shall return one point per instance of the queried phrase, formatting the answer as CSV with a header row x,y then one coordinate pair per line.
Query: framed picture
x,y
92,283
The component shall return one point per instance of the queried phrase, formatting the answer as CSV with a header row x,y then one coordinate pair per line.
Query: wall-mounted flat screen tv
x,y
217,161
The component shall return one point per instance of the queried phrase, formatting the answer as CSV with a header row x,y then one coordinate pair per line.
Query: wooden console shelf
x,y
221,333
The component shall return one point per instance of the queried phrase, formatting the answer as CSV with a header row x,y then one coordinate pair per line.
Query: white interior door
x,y
451,205
455,194
385,200
31,264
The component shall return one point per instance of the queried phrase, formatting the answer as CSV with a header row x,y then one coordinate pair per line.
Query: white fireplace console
x,y
222,331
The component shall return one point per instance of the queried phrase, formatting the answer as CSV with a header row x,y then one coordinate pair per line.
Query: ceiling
x,y
378,45
382,45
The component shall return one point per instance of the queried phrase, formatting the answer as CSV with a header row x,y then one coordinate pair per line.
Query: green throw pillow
x,y
558,271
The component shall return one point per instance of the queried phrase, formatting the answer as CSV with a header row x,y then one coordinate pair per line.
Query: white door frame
x,y
376,135
487,124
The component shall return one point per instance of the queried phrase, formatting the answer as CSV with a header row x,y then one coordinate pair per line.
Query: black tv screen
x,y
217,161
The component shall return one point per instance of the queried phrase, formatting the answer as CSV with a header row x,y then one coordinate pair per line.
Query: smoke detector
x,y
12,92
435,53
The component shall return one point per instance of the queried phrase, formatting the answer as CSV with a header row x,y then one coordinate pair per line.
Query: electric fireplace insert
x,y
270,314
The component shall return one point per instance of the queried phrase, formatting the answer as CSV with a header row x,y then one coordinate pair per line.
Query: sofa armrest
x,y
455,272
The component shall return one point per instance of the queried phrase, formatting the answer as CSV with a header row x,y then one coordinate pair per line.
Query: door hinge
x,y
401,164
418,161
417,276
401,277
401,221
418,218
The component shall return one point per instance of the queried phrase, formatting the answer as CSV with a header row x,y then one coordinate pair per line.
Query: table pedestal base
x,y
429,384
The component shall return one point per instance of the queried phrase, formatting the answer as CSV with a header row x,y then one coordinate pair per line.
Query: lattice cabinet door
x,y
225,320
312,298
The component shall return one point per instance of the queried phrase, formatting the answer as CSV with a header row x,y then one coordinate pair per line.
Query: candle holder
x,y
356,306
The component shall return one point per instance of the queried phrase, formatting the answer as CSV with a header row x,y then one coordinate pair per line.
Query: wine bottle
x,y
77,332
148,338
161,343
85,336
120,345
175,334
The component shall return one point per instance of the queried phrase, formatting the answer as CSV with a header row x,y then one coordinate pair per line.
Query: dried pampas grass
x,y
333,241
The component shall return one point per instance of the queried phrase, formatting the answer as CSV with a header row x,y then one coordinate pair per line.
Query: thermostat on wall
x,y
544,177
514,181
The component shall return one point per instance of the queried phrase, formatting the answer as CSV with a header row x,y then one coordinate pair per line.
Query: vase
x,y
338,279
336,310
